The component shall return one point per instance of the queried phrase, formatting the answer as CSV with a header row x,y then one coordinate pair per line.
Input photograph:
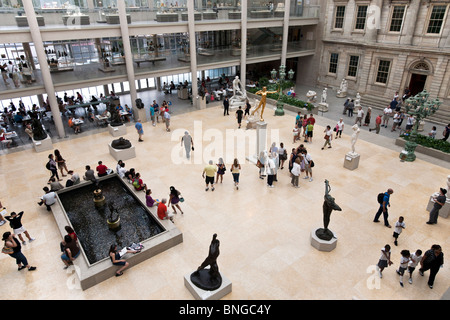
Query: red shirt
x,y
311,120
162,210
378,120
101,169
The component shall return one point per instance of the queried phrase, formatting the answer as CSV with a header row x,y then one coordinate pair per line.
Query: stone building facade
x,y
381,47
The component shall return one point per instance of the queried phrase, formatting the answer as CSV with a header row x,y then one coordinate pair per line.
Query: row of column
x,y
140,113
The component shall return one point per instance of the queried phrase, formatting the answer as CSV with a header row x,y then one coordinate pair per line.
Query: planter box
x,y
425,150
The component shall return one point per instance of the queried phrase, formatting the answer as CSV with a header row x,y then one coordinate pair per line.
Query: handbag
x,y
181,199
326,137
311,164
7,250
259,164
192,148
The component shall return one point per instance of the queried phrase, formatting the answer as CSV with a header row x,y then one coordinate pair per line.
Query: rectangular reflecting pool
x,y
90,222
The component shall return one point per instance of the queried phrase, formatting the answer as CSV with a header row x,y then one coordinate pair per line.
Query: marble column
x,y
410,21
243,44
137,113
193,52
287,8
45,71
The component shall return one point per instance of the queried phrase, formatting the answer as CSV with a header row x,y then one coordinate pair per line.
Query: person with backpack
x,y
138,184
51,165
383,200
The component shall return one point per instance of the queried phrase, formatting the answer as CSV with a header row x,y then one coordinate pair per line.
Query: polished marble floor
x,y
264,232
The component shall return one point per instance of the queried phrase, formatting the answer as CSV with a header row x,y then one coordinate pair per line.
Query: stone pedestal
x,y
323,107
341,94
261,140
202,102
140,114
351,161
117,131
200,294
122,154
323,245
444,211
43,145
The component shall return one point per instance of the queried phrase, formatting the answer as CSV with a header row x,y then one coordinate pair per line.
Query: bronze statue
x,y
328,206
116,119
38,131
121,143
262,103
211,279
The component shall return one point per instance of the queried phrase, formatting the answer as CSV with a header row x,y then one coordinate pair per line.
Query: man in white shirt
x,y
386,114
359,116
49,198
167,120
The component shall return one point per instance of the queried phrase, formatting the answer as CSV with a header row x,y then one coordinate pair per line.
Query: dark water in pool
x,y
90,223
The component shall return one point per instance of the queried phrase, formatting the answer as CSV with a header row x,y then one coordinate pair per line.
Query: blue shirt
x,y
152,111
138,127
386,198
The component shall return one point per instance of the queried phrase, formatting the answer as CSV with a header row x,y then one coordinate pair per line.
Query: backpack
x,y
48,165
380,198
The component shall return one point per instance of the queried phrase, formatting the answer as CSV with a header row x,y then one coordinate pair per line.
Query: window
x,y
339,17
353,66
383,71
397,18
361,18
334,57
436,19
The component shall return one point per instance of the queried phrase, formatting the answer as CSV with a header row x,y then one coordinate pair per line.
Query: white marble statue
x,y
342,92
239,94
355,135
324,96
311,95
358,100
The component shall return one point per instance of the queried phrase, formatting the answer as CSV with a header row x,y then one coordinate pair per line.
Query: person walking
x,y
282,155
220,171
174,199
188,144
167,119
404,260
439,201
239,116
368,116
270,170
328,137
414,260
386,115
235,171
61,162
385,259
432,260
15,221
377,124
226,106
52,166
152,114
261,164
339,128
14,249
139,129
350,107
208,174
384,204
398,227
359,116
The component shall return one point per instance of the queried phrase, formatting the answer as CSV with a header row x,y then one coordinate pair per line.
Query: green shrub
x,y
429,142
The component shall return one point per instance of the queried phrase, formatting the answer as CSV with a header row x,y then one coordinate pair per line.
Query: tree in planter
x,y
419,107
280,82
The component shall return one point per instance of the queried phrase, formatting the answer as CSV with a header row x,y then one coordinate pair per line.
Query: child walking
x,y
414,260
399,226
385,259
404,260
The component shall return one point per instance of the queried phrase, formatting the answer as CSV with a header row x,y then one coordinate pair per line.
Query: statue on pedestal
x,y
328,206
121,143
116,119
355,135
209,279
239,94
38,131
342,92
311,95
324,96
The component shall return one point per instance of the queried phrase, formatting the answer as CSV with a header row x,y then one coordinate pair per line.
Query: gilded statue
x,y
262,103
